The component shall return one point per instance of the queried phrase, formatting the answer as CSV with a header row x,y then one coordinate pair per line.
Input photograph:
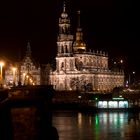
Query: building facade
x,y
25,72
76,67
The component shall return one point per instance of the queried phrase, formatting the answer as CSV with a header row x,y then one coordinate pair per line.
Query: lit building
x,y
77,68
26,72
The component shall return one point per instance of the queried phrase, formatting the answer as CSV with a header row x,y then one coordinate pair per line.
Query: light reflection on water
x,y
72,125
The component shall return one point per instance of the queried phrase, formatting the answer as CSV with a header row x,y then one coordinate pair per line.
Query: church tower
x,y
65,39
77,68
64,59
79,45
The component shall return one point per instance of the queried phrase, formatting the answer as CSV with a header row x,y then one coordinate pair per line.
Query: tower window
x,y
62,65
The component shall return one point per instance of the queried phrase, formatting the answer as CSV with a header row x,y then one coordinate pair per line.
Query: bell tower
x,y
64,39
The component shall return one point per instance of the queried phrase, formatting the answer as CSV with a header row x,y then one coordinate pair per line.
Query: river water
x,y
74,125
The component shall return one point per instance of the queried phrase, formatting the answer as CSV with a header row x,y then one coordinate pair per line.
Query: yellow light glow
x,y
121,61
1,72
14,69
1,64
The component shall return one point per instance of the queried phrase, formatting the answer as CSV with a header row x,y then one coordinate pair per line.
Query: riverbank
x,y
87,108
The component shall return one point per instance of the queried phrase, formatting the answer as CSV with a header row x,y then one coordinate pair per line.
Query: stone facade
x,y
76,67
25,72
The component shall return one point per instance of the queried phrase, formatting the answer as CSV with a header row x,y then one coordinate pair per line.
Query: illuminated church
x,y
76,67
27,71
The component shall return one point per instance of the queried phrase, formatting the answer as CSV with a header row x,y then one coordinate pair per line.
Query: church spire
x,y
64,21
78,12
79,34
64,39
79,44
64,7
28,52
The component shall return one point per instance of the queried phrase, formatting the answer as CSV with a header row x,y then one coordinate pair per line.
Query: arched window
x,y
62,65
71,64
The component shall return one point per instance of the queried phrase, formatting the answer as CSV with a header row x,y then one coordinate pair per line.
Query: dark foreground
x,y
32,113
26,114
76,125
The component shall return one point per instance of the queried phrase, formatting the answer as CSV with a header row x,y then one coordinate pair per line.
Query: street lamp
x,y
1,78
121,61
23,79
14,75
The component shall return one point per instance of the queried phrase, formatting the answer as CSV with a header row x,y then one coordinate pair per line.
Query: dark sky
x,y
108,25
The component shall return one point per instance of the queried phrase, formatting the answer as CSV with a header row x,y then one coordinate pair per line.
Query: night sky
x,y
108,25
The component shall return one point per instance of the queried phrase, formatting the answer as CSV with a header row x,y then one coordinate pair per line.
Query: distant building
x,y
77,68
25,72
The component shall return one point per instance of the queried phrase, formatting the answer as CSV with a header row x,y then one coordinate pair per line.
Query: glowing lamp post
x,y
24,75
1,77
14,75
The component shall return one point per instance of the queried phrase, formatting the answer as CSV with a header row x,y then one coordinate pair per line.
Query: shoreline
x,y
86,108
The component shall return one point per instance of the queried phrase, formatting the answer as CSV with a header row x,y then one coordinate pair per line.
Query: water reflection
x,y
97,126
